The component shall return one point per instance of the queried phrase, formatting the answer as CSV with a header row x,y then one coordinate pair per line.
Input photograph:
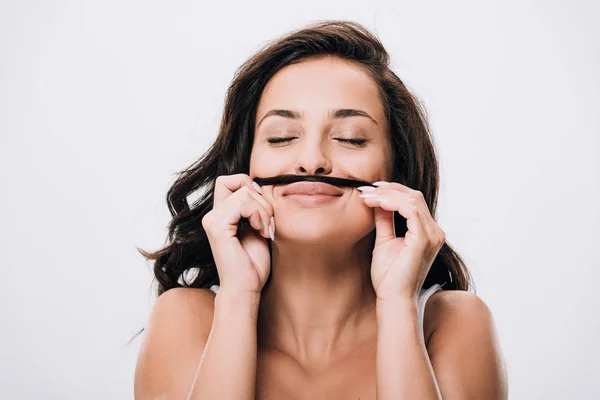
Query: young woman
x,y
310,287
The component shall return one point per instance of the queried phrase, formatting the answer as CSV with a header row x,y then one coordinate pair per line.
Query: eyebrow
x,y
332,114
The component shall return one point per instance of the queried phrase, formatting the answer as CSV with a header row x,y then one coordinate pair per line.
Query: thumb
x,y
384,225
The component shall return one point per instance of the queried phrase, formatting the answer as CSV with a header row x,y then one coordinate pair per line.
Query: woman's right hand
x,y
242,255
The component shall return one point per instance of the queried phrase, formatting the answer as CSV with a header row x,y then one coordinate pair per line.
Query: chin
x,y
317,230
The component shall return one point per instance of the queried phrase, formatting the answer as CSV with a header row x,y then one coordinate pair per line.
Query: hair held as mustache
x,y
288,179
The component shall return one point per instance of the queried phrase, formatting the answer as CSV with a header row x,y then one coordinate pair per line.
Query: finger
x,y
268,215
397,201
252,213
263,201
435,235
239,205
393,185
252,200
431,227
433,230
385,186
384,225
416,198
225,185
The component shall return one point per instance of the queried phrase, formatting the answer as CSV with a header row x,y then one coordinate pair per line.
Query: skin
x,y
319,309
320,303
317,321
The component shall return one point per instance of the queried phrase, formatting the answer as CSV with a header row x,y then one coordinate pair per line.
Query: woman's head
x,y
322,71
321,117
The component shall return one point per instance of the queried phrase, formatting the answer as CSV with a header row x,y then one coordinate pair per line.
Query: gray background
x,y
102,102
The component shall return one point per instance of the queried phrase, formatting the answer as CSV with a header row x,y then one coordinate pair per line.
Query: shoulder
x,y
464,346
175,336
449,310
183,305
183,311
457,303
185,299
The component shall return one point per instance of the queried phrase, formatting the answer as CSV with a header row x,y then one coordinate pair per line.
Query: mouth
x,y
312,189
312,200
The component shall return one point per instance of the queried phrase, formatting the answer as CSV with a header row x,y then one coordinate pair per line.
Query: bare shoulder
x,y
188,309
445,303
449,310
464,347
174,339
187,299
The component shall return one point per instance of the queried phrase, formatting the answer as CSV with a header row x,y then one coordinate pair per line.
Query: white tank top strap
x,y
423,297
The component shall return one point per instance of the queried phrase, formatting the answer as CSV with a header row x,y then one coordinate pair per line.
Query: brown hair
x,y
415,162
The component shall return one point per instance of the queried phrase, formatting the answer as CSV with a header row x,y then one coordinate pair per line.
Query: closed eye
x,y
279,140
357,142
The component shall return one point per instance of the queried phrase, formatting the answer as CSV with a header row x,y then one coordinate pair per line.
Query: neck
x,y
320,301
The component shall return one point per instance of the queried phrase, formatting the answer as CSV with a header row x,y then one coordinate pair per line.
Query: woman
x,y
317,288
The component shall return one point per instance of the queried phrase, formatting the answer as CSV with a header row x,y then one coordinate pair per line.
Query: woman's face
x,y
312,91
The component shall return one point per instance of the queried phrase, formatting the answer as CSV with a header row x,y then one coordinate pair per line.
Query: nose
x,y
313,160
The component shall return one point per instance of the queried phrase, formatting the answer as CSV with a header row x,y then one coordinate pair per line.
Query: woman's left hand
x,y
400,264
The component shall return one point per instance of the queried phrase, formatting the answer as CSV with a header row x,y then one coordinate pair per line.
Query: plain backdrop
x,y
102,102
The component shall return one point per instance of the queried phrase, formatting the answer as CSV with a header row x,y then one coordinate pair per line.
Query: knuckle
x,y
432,239
418,195
442,237
242,178
246,199
206,220
246,193
268,207
241,193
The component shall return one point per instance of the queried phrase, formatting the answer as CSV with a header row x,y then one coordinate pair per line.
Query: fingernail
x,y
380,183
366,188
257,187
368,195
272,228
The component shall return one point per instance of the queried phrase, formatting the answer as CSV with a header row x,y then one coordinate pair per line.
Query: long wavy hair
x,y
186,259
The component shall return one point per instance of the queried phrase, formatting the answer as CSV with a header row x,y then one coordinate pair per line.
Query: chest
x,y
353,378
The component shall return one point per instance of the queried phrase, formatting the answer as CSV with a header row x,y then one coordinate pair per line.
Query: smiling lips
x,y
312,188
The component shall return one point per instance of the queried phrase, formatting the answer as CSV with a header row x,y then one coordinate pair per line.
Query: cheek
x,y
258,166
361,213
373,164
254,159
264,164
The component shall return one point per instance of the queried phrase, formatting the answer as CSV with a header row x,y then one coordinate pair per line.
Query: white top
x,y
424,295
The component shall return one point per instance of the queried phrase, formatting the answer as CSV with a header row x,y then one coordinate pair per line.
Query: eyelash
x,y
357,142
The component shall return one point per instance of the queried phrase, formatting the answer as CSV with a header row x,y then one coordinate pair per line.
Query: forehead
x,y
318,85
